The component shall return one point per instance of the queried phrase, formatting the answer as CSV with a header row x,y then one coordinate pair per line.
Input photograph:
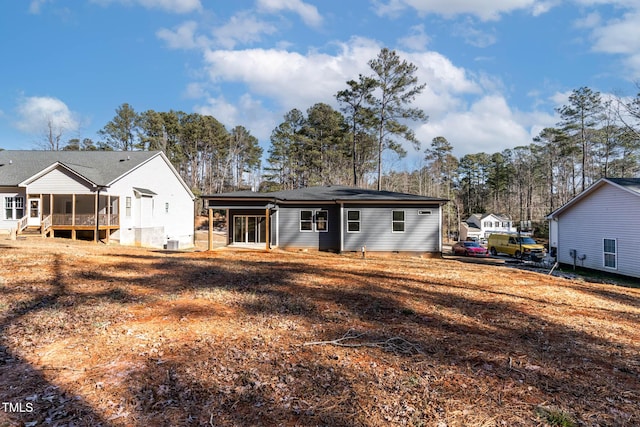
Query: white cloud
x,y
307,12
242,28
35,7
195,91
247,111
485,10
592,20
173,6
35,113
488,126
472,35
560,98
417,39
619,35
182,37
292,80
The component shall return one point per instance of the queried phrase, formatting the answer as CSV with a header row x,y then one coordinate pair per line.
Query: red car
x,y
469,249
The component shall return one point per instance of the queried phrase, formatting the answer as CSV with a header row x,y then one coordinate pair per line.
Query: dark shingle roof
x,y
328,194
98,167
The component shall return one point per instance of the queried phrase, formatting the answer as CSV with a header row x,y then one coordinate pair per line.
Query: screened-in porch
x,y
85,216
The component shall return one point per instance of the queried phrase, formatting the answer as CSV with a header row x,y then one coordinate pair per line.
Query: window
x,y
306,220
487,224
397,222
14,207
322,221
314,221
610,253
353,221
127,206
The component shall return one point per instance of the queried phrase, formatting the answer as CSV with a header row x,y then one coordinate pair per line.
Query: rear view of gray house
x,y
333,218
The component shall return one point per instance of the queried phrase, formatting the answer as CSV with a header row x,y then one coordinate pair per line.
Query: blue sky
x,y
495,69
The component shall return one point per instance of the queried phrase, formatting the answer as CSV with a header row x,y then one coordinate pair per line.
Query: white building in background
x,y
131,197
480,226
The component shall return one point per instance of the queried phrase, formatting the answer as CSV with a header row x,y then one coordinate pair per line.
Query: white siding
x,y
8,224
607,213
150,214
59,181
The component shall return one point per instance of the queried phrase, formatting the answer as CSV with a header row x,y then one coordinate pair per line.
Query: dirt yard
x,y
95,335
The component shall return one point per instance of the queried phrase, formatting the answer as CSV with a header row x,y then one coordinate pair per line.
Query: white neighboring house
x,y
131,197
599,229
480,226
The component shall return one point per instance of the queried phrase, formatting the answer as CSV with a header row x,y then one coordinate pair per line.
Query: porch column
x,y
73,216
41,214
108,232
341,227
210,229
229,231
268,239
51,213
97,229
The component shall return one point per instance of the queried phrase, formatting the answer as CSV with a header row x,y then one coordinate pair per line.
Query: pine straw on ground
x,y
104,335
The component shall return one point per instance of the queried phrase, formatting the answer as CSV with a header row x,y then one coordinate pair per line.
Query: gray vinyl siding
x,y
292,237
422,232
607,213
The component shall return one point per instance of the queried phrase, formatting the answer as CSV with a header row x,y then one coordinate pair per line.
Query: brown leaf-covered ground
x,y
105,335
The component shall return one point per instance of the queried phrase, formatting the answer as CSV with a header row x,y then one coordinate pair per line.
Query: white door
x,y
34,213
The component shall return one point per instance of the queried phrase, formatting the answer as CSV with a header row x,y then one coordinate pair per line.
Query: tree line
x,y
597,136
210,158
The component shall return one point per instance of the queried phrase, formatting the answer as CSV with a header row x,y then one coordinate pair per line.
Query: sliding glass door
x,y
249,229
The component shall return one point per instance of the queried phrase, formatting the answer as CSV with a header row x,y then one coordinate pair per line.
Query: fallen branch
x,y
392,345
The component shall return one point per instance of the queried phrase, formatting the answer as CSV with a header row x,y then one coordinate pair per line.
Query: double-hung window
x,y
353,221
314,220
13,207
306,220
610,250
397,221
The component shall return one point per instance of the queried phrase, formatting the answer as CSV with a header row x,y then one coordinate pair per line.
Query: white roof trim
x,y
51,168
593,187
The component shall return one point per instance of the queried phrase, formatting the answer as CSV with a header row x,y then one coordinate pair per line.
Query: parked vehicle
x,y
514,245
469,249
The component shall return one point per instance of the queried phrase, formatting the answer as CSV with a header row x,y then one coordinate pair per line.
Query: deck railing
x,y
45,224
85,220
22,224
